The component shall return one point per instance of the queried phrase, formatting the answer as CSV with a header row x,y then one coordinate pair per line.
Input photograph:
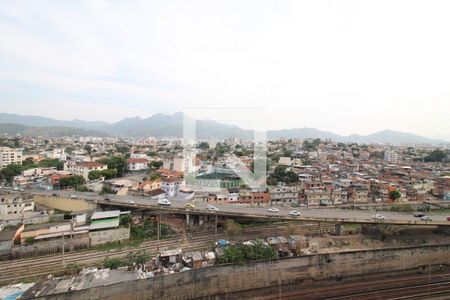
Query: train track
x,y
15,270
411,287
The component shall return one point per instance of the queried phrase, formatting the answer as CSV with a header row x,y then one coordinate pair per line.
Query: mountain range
x,y
160,125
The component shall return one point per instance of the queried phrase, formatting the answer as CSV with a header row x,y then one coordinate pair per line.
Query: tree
x,y
115,162
88,149
51,163
203,145
10,171
94,175
156,164
436,156
71,181
108,173
387,230
232,228
280,174
394,195
28,164
113,263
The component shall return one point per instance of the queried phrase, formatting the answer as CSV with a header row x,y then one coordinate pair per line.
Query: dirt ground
x,y
406,237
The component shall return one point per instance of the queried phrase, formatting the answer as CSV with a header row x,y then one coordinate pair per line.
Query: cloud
x,y
345,66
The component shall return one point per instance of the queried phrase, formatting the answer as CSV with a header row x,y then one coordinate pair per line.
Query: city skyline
x,y
346,67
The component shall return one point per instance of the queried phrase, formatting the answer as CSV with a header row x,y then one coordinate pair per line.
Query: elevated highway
x,y
331,215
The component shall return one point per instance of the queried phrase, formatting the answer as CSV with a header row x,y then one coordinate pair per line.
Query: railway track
x,y
15,270
411,287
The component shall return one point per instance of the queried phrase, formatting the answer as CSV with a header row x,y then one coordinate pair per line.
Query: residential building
x,y
358,193
283,194
137,164
10,156
254,197
441,187
391,156
15,205
83,168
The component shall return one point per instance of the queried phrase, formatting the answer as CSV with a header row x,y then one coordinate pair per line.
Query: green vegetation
x,y
107,174
140,257
311,145
125,220
436,156
149,230
394,195
49,163
117,163
29,240
242,253
281,175
203,145
107,190
232,228
402,208
10,171
376,155
71,181
156,164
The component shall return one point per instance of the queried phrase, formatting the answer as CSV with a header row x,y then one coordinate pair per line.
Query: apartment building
x,y
10,156
137,164
15,205
391,156
283,194
83,168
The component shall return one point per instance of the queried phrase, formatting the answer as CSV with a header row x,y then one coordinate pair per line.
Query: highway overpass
x,y
328,215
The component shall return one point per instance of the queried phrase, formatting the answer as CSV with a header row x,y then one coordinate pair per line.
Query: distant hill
x,y
50,131
160,125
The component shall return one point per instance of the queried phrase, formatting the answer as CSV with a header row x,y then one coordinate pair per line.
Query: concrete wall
x,y
78,241
111,235
257,278
65,204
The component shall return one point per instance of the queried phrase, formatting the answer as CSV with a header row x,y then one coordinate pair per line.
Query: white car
x,y
164,202
130,201
72,196
294,213
426,218
273,209
211,207
378,217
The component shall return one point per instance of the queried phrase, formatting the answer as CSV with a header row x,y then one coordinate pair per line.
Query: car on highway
x,y
302,205
378,217
189,205
294,213
72,196
108,199
426,218
273,209
164,202
419,215
130,201
211,207
448,218
55,195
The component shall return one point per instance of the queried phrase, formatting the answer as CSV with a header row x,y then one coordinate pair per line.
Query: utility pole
x,y
63,258
158,229
215,229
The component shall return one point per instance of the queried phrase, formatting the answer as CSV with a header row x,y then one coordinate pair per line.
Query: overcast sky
x,y
343,66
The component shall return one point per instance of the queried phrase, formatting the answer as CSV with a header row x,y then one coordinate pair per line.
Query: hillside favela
x,y
224,150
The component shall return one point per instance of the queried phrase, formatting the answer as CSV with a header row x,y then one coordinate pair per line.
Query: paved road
x,y
316,214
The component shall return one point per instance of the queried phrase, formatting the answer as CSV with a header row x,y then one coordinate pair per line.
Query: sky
x,y
342,66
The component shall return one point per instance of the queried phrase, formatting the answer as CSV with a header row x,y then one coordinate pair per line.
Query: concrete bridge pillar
x,y
338,229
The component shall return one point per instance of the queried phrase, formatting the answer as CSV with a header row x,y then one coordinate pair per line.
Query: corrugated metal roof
x,y
105,214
